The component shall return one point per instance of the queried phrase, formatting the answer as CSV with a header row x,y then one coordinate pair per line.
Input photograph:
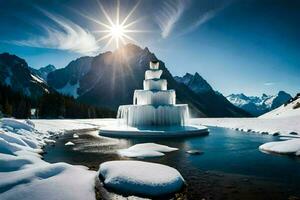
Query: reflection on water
x,y
229,158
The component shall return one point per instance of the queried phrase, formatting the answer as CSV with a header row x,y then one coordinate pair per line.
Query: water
x,y
231,167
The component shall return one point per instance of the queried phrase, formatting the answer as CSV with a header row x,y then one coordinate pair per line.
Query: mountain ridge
x,y
259,105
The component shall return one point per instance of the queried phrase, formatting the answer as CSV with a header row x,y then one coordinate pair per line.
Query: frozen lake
x,y
231,166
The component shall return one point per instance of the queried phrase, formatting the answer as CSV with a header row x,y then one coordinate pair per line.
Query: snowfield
x,y
24,175
282,126
141,178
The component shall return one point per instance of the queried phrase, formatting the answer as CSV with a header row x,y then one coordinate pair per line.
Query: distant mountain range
x,y
209,97
259,105
109,80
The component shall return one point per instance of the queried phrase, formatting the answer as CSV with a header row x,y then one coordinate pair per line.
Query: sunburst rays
x,y
115,29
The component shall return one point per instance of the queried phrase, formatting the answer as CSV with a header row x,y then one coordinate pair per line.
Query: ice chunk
x,y
69,144
282,147
140,178
75,135
145,150
132,153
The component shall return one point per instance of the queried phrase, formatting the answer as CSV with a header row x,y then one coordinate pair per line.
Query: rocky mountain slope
x,y
110,79
259,105
43,71
16,73
290,108
209,97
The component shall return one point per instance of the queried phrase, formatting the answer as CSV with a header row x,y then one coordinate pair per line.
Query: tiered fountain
x,y
154,112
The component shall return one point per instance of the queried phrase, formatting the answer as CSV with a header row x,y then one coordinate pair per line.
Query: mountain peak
x,y
195,82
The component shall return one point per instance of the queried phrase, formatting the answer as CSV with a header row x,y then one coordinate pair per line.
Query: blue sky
x,y
237,46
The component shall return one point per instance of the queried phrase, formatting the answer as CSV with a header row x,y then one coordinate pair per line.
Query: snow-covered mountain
x,y
44,71
16,73
109,79
290,108
206,93
195,82
259,105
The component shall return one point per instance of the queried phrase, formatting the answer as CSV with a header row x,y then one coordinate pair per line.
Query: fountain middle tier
x,y
155,84
154,97
149,115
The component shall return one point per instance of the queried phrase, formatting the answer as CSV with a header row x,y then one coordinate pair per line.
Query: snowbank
x,y
292,109
282,126
23,175
291,146
145,150
140,178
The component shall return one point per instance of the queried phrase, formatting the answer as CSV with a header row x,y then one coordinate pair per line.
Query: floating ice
x,y
145,150
69,144
75,135
140,178
282,147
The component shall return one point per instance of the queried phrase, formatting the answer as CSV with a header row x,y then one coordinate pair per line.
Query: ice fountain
x,y
154,112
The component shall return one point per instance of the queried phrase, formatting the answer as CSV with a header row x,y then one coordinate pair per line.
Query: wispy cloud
x,y
170,13
269,83
201,20
63,34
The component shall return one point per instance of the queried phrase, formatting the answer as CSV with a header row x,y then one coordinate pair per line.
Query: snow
x,y
291,146
16,124
288,110
69,144
37,79
69,89
146,150
140,178
282,126
24,175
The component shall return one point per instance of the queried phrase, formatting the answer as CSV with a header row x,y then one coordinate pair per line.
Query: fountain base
x,y
153,131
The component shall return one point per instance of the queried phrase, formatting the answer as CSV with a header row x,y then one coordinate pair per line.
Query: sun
x,y
116,30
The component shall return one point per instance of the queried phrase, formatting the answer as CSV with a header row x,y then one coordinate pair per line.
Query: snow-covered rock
x,y
140,178
291,146
17,124
145,150
23,175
